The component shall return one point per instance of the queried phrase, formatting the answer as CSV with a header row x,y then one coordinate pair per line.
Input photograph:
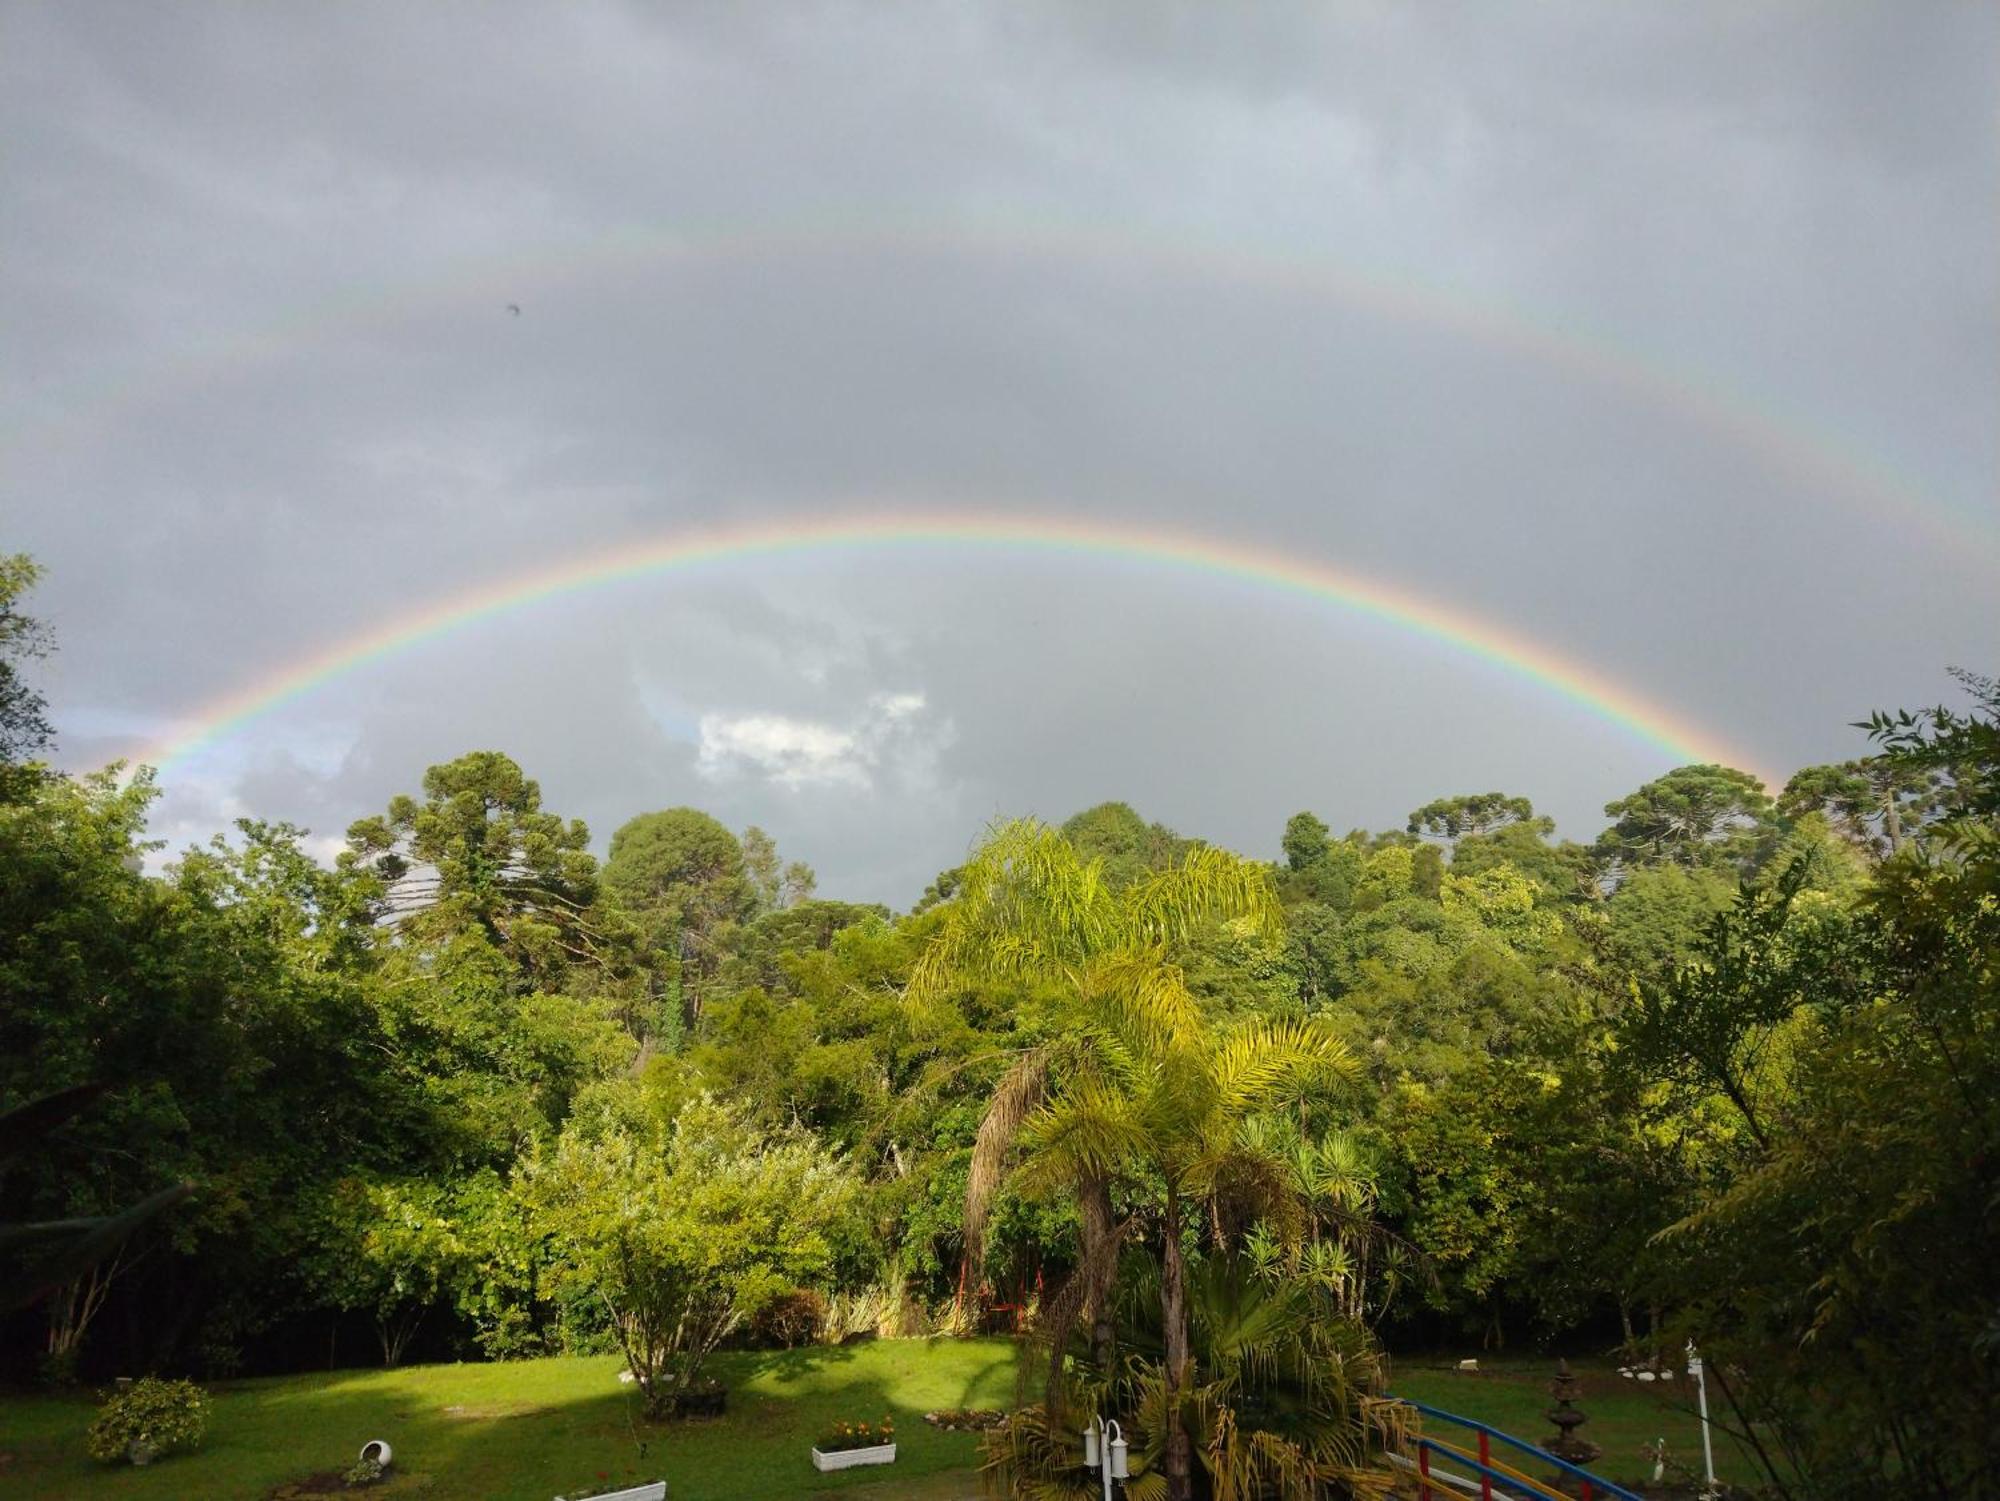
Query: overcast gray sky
x,y
1663,336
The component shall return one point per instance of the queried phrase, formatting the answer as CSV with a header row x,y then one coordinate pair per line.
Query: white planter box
x,y
847,1459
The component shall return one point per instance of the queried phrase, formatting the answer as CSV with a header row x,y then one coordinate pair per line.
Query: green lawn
x,y
1625,1416
528,1430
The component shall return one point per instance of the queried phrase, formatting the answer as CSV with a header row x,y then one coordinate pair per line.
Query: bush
x,y
789,1320
148,1418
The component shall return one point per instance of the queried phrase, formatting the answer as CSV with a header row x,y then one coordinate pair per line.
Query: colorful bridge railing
x,y
1494,1478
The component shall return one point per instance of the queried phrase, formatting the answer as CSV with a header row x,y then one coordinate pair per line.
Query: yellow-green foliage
x,y
149,1414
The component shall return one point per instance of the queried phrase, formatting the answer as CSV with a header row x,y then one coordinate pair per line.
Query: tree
x,y
1306,840
1470,813
685,1232
1028,907
1836,1272
1161,1110
1427,873
38,1258
776,887
1657,917
1566,870
24,721
1288,1404
797,885
480,855
392,1248
682,875
1964,746
1124,844
1835,1266
760,867
227,1013
1694,815
1318,868
1878,803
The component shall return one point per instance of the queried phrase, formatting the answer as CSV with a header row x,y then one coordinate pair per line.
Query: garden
x,y
534,1429
665,1168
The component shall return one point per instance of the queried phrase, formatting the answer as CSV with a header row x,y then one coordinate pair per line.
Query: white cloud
x,y
897,706
791,752
889,734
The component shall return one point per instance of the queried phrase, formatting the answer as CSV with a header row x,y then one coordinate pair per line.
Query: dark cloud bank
x,y
260,390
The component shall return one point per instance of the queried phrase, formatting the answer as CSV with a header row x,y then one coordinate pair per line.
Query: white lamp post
x,y
1701,1398
1104,1451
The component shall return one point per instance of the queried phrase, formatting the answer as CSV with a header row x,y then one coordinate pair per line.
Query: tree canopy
x,y
1725,1072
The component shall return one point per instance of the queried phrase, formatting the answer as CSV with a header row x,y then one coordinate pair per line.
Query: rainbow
x,y
1779,441
873,531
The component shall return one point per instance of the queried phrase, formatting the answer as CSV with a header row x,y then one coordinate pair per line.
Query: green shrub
x,y
148,1418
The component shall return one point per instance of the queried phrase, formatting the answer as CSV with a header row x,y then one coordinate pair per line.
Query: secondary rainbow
x,y
1824,458
1482,640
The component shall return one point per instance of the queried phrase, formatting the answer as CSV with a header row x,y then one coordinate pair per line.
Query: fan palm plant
x,y
1286,1406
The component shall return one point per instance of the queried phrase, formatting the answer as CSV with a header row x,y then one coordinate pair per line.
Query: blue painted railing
x,y
1591,1485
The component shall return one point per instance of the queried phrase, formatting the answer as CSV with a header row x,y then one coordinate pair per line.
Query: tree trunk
x,y
1174,1323
690,983
395,1332
71,1311
1100,1270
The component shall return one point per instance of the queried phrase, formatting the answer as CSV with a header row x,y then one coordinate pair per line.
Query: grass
x,y
531,1430
1625,1416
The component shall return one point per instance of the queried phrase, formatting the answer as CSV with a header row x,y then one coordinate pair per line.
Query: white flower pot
x,y
847,1459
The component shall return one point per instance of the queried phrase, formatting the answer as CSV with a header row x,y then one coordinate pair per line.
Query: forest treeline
x,y
1726,1071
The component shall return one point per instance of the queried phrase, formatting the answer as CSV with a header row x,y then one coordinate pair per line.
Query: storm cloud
x,y
1664,336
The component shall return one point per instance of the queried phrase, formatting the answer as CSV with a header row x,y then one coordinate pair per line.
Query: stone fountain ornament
x,y
1565,1415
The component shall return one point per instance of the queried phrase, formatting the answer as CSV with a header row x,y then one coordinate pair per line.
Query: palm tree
x,y
1168,1115
1028,907
1137,1089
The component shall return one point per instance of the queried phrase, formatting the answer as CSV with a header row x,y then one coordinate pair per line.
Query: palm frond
x,y
1020,1091
1027,906
1141,995
1095,1272
1089,1129
1247,1187
1264,1062
1205,885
